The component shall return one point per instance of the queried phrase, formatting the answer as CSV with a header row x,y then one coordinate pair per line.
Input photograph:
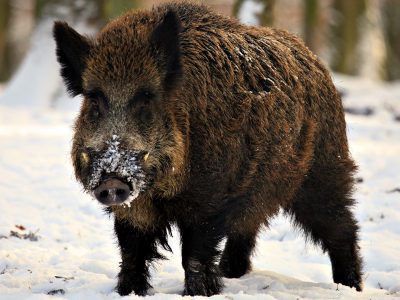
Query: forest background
x,y
357,37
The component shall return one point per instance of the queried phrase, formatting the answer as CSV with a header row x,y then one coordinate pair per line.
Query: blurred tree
x,y
268,15
5,70
76,8
346,35
105,9
391,20
95,13
236,7
112,9
40,5
311,24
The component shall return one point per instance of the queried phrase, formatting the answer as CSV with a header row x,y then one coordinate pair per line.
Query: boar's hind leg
x,y
138,250
235,260
322,210
199,254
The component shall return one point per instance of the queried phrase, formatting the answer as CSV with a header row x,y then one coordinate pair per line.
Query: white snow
x,y
76,242
248,12
120,162
38,76
76,250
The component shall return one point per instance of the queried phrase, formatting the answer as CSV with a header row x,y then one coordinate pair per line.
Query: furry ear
x,y
72,50
166,39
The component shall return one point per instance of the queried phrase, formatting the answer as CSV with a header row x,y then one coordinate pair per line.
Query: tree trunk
x,y
268,15
5,71
346,35
113,9
391,19
311,24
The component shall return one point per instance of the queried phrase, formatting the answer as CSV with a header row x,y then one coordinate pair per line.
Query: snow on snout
x,y
123,163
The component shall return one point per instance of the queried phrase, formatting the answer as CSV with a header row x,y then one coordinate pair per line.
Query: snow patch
x,y
38,191
244,54
123,163
249,11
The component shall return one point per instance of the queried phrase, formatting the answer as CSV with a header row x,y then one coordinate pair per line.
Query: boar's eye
x,y
95,103
141,102
144,105
96,99
144,112
95,108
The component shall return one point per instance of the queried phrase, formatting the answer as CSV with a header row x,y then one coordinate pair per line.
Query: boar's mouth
x,y
112,190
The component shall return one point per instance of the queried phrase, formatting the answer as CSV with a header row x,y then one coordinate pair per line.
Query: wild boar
x,y
190,118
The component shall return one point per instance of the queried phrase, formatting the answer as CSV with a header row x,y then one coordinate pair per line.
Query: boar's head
x,y
129,135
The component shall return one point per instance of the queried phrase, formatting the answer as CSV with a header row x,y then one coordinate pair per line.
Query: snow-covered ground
x,y
72,248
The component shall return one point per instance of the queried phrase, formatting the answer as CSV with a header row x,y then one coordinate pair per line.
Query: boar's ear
x,y
166,39
72,50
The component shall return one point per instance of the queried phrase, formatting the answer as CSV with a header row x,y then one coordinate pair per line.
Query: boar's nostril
x,y
120,192
112,192
104,194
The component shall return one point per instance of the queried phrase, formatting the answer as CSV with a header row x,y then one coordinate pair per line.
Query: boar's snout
x,y
112,192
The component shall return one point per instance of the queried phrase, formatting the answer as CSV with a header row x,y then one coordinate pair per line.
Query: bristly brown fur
x,y
237,122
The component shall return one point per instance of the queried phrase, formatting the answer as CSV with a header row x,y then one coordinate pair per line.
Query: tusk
x,y
85,157
146,156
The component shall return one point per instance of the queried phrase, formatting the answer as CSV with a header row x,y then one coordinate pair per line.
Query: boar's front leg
x,y
138,250
200,240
